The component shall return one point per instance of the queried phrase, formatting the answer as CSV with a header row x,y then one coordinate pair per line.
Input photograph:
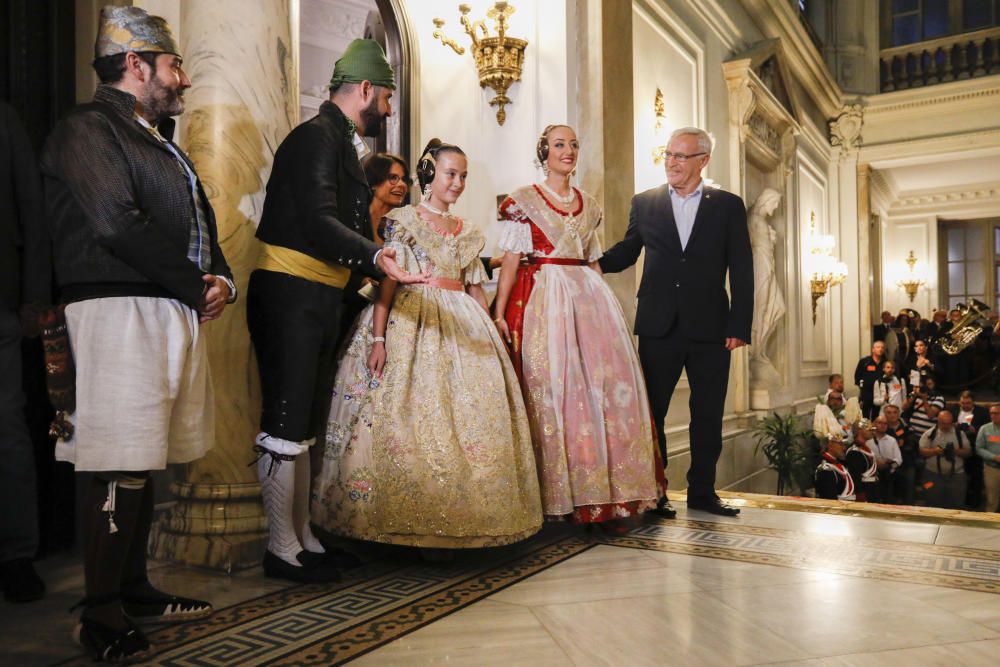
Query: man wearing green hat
x,y
139,267
315,238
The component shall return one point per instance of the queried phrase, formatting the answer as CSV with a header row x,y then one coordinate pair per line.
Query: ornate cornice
x,y
973,194
907,100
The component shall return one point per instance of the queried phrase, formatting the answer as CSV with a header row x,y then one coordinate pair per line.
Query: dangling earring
x,y
427,192
545,168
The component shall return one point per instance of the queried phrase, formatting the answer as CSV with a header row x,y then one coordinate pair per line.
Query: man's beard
x,y
372,119
161,102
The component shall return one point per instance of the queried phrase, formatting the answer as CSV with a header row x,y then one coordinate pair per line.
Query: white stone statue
x,y
769,303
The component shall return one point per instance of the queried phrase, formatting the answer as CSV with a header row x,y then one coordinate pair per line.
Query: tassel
x,y
109,506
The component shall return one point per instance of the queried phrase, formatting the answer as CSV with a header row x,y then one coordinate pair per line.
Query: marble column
x,y
243,102
606,120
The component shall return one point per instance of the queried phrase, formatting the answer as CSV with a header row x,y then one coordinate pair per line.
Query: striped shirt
x,y
920,422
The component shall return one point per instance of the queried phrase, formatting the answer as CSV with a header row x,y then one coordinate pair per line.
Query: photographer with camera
x,y
944,450
969,418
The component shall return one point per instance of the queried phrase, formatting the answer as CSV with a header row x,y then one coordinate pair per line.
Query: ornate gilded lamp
x,y
498,58
911,281
826,270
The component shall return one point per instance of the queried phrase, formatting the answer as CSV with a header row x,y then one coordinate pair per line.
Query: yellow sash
x,y
295,263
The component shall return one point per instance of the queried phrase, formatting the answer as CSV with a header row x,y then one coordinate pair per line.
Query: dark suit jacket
x,y
25,265
688,285
317,196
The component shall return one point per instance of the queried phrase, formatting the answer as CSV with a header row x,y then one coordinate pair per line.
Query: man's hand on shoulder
x,y
216,296
733,343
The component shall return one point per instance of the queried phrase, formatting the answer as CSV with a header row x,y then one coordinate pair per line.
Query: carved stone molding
x,y
845,130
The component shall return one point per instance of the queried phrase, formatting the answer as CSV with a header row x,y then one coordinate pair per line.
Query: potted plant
x,y
783,441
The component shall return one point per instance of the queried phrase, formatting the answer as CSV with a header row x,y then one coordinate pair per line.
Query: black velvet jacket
x,y
317,196
119,208
688,285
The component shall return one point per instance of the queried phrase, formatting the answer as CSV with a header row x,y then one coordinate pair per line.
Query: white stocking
x,y
303,485
277,486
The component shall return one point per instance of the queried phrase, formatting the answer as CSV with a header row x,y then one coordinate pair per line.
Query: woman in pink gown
x,y
583,385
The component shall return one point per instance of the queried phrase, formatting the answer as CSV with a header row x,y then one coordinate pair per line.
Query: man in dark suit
x,y
693,236
881,330
25,270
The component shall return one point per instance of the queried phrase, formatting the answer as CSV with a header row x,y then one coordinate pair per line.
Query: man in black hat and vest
x,y
139,266
315,235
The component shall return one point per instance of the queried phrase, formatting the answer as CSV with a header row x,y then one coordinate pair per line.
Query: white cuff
x,y
375,258
516,237
232,289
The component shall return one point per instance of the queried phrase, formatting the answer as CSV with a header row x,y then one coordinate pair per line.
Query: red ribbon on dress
x,y
564,261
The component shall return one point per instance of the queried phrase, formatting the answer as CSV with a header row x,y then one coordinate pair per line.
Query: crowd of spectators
x,y
899,441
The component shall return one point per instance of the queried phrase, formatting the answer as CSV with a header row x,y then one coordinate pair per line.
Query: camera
x,y
949,452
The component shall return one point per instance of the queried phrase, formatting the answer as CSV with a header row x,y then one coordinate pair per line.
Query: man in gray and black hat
x,y
139,266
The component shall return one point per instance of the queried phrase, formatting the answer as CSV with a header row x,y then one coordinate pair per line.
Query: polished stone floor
x,y
770,587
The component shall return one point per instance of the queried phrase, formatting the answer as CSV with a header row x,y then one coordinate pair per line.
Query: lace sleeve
x,y
515,237
474,273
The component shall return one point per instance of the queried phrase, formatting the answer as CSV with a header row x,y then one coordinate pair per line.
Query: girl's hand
x,y
503,329
376,359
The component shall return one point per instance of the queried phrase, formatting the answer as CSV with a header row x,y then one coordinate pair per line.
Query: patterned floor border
x,y
376,604
929,564
935,515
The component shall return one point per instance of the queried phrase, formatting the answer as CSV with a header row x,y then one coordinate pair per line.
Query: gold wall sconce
x,y
827,271
498,58
659,112
911,280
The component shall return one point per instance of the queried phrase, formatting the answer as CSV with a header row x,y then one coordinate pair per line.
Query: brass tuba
x,y
975,318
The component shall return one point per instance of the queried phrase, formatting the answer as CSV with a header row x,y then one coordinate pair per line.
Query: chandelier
x,y
826,270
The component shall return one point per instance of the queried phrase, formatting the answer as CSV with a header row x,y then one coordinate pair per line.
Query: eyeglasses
x,y
680,157
394,179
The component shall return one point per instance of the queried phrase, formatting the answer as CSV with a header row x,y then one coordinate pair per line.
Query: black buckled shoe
x,y
144,604
312,570
20,581
104,643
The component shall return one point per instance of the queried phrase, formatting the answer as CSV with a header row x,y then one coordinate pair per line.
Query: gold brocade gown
x,y
438,453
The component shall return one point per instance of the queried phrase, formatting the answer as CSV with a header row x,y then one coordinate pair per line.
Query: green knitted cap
x,y
363,61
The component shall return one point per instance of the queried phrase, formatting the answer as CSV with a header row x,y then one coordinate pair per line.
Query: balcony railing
x,y
949,58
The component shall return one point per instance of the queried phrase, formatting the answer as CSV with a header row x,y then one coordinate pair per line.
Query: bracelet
x,y
498,320
378,339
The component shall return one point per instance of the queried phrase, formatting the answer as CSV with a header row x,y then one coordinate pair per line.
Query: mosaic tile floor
x,y
771,586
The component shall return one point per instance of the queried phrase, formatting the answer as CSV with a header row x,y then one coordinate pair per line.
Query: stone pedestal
x,y
243,102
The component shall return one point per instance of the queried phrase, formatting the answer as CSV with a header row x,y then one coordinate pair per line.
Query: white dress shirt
x,y
886,447
685,210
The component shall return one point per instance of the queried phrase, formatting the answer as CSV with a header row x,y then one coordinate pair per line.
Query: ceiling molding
x,y
717,19
920,151
972,201
942,93
884,186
